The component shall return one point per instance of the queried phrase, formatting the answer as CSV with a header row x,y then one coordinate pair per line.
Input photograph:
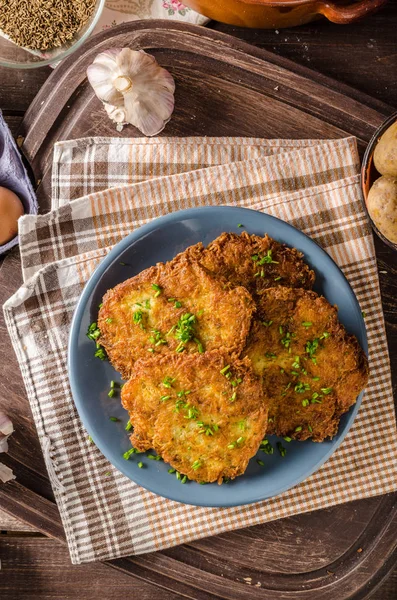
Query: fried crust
x,y
137,319
298,340
240,260
208,434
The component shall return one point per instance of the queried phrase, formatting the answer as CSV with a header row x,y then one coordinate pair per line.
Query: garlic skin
x,y
134,88
117,115
6,429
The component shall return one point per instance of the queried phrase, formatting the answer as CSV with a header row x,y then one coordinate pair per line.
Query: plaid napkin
x,y
314,185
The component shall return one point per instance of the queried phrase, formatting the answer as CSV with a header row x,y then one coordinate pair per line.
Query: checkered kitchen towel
x,y
312,185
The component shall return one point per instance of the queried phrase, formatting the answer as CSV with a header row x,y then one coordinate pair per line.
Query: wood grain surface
x,y
300,557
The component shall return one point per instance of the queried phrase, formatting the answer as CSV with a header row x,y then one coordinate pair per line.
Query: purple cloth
x,y
13,176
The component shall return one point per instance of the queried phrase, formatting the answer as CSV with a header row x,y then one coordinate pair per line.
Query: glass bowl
x,y
369,174
15,57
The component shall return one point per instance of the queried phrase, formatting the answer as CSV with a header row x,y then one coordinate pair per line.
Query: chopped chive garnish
x,y
150,349
129,453
298,429
240,440
111,393
316,398
307,324
168,381
310,428
267,323
281,449
93,332
184,479
277,278
192,412
177,475
164,398
287,439
171,471
140,464
107,474
295,364
326,391
154,457
270,355
364,314
325,335
305,402
224,370
109,320
185,331
287,340
268,449
100,305
157,288
300,387
137,317
208,429
123,264
260,462
128,427
196,465
316,378
311,347
233,397
268,259
156,338
114,419
90,439
240,225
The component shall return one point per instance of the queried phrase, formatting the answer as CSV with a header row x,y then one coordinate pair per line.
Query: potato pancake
x,y
205,414
174,307
312,369
255,262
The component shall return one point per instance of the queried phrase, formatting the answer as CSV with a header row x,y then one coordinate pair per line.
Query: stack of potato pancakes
x,y
223,345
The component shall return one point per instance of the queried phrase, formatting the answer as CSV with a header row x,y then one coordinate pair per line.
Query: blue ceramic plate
x,y
161,240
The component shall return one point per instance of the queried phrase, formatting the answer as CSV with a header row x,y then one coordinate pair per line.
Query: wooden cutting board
x,y
224,87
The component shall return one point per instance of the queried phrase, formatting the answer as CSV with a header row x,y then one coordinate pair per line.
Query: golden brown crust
x,y
302,340
137,319
240,259
205,423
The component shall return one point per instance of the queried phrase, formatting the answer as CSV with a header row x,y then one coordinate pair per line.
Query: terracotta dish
x,y
272,14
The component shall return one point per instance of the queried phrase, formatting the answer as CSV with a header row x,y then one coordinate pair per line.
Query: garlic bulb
x,y
133,88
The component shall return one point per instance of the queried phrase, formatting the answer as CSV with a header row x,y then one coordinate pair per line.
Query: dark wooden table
x,y
362,55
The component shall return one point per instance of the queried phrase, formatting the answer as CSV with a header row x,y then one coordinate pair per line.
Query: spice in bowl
x,y
43,24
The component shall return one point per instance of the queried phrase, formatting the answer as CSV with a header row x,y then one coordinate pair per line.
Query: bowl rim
x,y
9,64
368,155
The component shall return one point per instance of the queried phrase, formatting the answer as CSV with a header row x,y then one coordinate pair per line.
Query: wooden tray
x,y
224,87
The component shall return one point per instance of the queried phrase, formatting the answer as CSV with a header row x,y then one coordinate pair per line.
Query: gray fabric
x,y
14,176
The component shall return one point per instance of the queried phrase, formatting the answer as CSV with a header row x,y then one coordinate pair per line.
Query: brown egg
x,y
11,208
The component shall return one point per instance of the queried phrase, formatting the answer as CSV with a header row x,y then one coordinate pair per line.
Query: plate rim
x,y
75,325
